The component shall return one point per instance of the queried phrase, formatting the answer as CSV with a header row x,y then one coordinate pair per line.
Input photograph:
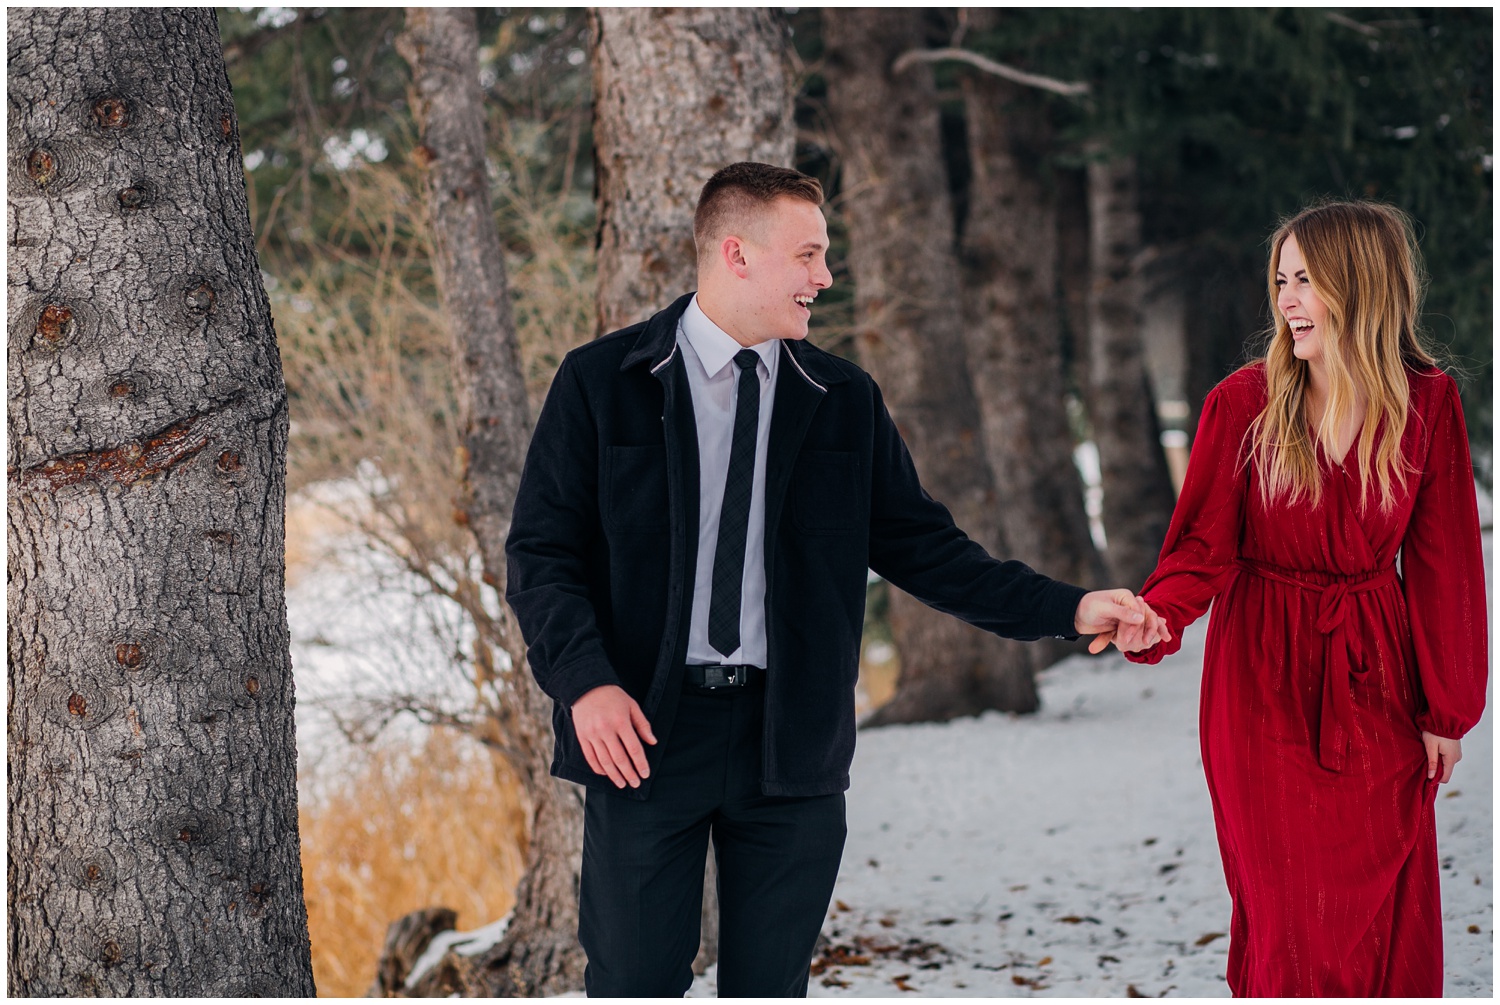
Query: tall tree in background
x,y
540,952
909,332
1138,496
678,93
1014,327
152,761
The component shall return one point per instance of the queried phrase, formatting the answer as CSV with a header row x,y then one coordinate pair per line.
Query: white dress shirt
x,y
708,354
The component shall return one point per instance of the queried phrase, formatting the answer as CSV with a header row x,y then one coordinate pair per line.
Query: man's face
x,y
784,268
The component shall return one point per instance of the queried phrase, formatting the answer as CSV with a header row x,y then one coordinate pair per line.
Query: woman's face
x,y
1305,314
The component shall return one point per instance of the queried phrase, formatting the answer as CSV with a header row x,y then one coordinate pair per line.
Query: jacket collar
x,y
657,342
658,339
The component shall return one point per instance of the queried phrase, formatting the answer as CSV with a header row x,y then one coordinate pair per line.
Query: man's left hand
x,y
1121,617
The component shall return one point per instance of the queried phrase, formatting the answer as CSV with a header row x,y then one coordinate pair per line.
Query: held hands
x,y
610,727
1441,749
1121,617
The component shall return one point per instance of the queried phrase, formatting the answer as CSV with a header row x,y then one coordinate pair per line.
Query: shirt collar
x,y
716,347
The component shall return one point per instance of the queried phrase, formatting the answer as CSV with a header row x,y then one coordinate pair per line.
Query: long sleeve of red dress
x,y
1443,578
1203,539
1321,666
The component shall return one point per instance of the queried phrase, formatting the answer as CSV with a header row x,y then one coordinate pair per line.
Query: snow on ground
x,y
363,630
1072,853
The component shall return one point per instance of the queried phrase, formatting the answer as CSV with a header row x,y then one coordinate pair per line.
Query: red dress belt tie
x,y
1343,650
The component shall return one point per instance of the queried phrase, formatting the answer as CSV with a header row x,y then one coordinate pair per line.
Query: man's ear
x,y
732,254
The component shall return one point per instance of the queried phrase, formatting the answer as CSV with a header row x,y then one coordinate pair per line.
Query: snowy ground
x,y
1072,853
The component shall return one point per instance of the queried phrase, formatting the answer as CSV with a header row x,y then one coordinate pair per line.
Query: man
x,y
701,502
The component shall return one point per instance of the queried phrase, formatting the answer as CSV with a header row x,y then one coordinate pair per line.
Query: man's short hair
x,y
735,193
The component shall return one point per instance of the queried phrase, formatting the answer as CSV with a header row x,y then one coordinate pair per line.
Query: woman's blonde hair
x,y
1362,262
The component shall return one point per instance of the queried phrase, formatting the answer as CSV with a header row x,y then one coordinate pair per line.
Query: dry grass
x,y
441,824
367,359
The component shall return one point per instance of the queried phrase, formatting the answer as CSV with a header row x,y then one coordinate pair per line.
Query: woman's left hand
x,y
1443,752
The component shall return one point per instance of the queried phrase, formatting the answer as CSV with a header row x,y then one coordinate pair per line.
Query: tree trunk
x,y
1014,333
909,330
406,939
678,93
152,756
540,954
1138,495
1229,306
1070,203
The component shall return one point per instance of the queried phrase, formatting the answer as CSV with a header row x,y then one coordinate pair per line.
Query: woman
x,y
1335,687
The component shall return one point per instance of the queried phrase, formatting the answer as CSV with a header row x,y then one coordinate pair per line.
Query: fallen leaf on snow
x,y
900,982
1131,991
1204,940
1075,919
839,956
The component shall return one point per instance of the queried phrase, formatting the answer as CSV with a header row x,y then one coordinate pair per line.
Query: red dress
x,y
1322,667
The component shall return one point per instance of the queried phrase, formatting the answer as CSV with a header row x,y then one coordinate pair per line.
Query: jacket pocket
x,y
635,489
825,493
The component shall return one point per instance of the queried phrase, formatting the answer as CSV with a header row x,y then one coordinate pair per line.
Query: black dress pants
x,y
641,891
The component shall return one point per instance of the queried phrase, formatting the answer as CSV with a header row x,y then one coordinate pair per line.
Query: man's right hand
x,y
608,723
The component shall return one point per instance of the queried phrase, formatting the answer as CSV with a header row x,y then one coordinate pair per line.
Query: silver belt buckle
x,y
718,676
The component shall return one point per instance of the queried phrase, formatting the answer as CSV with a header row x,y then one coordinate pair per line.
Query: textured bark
x,y
678,93
1014,330
441,46
1228,304
1138,496
909,330
540,954
1071,204
406,939
152,761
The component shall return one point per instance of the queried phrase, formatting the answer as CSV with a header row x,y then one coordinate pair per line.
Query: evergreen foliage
x,y
1240,117
1237,117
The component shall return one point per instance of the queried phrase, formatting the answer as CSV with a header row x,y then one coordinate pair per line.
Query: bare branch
x,y
1068,89
1349,22
253,43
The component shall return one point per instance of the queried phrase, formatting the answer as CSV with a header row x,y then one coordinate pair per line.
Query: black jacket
x,y
604,540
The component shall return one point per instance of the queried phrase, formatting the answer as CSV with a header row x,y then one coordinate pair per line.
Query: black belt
x,y
712,678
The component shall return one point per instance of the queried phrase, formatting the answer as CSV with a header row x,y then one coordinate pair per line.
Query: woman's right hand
x,y
1443,752
1134,638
